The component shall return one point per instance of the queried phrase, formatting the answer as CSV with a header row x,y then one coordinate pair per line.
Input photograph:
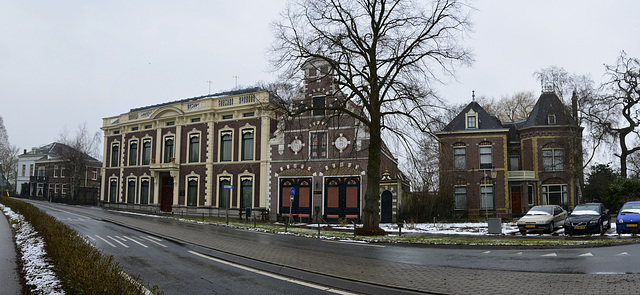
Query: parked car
x,y
590,218
543,218
628,218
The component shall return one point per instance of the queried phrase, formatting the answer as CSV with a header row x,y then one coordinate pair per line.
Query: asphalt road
x,y
174,268
448,270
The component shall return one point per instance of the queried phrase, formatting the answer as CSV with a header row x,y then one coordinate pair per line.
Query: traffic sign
x,y
293,191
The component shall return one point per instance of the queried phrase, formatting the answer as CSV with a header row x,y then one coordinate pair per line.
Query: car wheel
x,y
523,232
600,229
551,228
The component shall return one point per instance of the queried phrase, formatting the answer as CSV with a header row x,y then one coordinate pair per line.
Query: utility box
x,y
495,225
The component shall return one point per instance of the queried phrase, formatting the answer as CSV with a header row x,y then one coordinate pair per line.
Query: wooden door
x,y
166,194
516,200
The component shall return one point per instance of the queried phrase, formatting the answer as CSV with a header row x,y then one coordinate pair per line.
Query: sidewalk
x,y
9,278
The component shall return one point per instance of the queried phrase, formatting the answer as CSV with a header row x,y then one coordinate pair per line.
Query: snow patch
x,y
37,269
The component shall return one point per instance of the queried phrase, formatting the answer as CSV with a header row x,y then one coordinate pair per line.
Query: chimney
x,y
574,106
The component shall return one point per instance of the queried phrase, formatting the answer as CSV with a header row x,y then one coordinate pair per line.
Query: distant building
x,y
42,173
235,150
490,167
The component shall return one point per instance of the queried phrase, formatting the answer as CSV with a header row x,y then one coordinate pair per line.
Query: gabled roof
x,y
549,104
485,120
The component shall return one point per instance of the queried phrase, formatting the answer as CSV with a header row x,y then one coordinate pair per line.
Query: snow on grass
x,y
37,269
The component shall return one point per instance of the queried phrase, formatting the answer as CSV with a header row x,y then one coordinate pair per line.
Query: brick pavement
x,y
423,278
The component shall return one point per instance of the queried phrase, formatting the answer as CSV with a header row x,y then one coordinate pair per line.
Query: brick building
x,y
235,150
495,168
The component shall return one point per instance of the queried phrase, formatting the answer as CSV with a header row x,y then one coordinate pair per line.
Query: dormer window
x,y
471,120
551,119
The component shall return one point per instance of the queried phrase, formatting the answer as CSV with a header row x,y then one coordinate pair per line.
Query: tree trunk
x,y
372,196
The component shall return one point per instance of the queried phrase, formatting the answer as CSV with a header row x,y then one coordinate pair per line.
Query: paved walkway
x,y
9,278
422,278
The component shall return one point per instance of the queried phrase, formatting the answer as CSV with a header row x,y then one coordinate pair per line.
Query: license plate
x,y
530,226
580,227
632,225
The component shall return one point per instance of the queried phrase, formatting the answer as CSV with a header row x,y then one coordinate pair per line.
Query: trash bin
x,y
495,225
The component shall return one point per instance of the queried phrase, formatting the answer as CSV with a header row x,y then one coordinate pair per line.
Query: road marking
x,y
90,237
141,244
272,275
549,255
152,241
623,254
486,252
518,253
123,245
585,255
153,238
357,244
112,245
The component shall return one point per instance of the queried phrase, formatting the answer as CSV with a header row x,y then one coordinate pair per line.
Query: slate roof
x,y
485,120
549,104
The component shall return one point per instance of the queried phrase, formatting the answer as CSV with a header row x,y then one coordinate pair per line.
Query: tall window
x,y
225,193
318,102
318,145
115,155
246,192
460,193
146,152
486,157
486,196
194,148
471,122
64,189
168,149
530,195
460,158
192,192
247,144
131,191
55,171
225,146
553,159
63,171
144,191
514,163
24,169
133,153
113,191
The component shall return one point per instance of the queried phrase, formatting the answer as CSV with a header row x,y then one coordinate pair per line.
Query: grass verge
x,y
81,268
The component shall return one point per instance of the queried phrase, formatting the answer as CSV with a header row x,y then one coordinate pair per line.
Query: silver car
x,y
543,218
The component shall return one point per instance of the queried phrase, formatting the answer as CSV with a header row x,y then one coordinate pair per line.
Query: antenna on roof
x,y
209,81
473,95
236,77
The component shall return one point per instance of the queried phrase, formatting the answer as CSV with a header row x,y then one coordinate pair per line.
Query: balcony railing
x,y
522,175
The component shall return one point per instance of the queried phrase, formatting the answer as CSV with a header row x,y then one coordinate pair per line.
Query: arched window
x,y
131,191
115,155
113,191
246,192
144,191
146,152
133,153
225,146
192,192
194,148
247,144
168,149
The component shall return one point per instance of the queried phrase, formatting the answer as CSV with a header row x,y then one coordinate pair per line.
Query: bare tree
x,y
616,113
80,150
8,160
384,55
510,108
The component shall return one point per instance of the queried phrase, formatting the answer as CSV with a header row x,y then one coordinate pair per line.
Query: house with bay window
x,y
493,168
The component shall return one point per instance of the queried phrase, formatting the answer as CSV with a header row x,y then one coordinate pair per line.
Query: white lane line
x,y
518,253
585,255
355,244
275,276
121,238
112,245
549,255
90,237
486,252
623,254
152,241
153,238
141,244
123,245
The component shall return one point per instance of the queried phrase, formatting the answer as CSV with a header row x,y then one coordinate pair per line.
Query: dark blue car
x,y
590,218
628,218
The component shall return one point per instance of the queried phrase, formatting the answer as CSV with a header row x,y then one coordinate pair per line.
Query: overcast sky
x,y
67,63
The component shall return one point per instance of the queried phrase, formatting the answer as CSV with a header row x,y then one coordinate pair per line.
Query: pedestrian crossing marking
x,y
116,240
109,243
141,244
150,240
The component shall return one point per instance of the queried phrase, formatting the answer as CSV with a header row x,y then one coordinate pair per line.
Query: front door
x,y
516,200
166,194
386,207
301,206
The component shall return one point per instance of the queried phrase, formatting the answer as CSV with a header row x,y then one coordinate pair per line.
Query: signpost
x,y
293,193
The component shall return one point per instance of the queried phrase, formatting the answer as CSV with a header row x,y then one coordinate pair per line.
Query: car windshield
x,y
630,208
586,210
540,211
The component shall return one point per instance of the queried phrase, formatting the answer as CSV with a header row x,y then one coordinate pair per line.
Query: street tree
x,y
384,55
79,151
616,112
8,160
